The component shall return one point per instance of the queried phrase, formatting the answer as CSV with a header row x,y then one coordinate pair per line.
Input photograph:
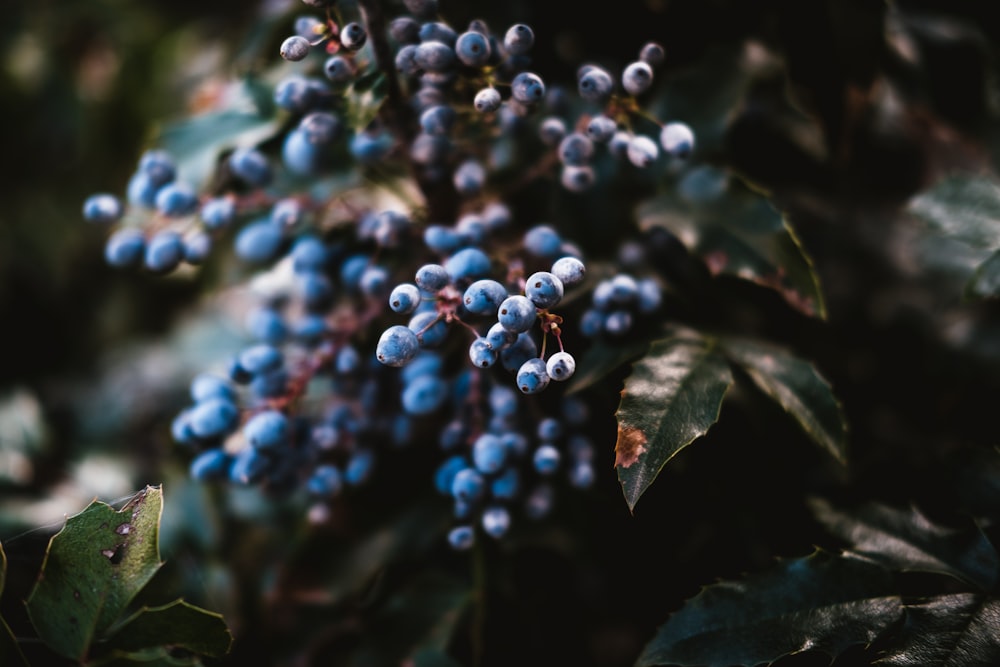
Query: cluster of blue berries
x,y
502,463
312,400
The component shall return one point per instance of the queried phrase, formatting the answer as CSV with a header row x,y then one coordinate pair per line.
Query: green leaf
x,y
823,602
9,650
152,657
948,631
93,568
174,625
796,386
672,397
602,359
965,207
364,99
907,540
739,233
418,621
985,280
247,120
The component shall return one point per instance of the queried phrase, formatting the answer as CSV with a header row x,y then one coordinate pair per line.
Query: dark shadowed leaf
x,y
93,568
416,624
152,657
907,540
964,207
600,360
175,625
672,397
10,653
948,631
824,602
739,233
986,279
796,386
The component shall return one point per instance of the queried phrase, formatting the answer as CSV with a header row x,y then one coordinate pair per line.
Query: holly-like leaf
x,y
964,207
739,233
823,602
965,210
948,631
796,386
907,540
671,398
92,569
175,625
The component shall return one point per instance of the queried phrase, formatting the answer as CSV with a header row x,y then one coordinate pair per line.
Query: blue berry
x,y
618,322
213,418
484,297
102,208
176,199
552,131
308,255
353,36
467,264
259,241
310,329
404,30
205,387
325,482
471,228
397,346
468,485
267,430
424,395
549,430
569,270
507,485
677,140
404,298
496,521
437,119
581,474
406,60
473,49
338,69
653,54
436,31
295,48
261,358
431,277
544,289
164,252
429,328
527,88
250,166
444,476
546,460
595,84
461,538
197,248
543,241
442,239
650,296
637,78
469,178
577,179
487,100
434,56
267,325
299,155
309,27
369,147
642,151
125,248
591,322
576,149
249,467
218,213
489,454
517,313
500,338
359,467
482,354
518,39
601,128
141,190
295,94
532,377
561,366
158,166
212,464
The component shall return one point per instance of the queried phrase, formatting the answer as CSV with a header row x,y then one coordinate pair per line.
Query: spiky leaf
x,y
907,540
948,631
174,625
823,602
93,568
796,386
671,398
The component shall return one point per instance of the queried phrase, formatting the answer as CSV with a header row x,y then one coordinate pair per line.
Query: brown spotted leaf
x,y
672,397
93,568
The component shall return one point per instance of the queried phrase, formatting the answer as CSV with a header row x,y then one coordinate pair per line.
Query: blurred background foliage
x,y
853,107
